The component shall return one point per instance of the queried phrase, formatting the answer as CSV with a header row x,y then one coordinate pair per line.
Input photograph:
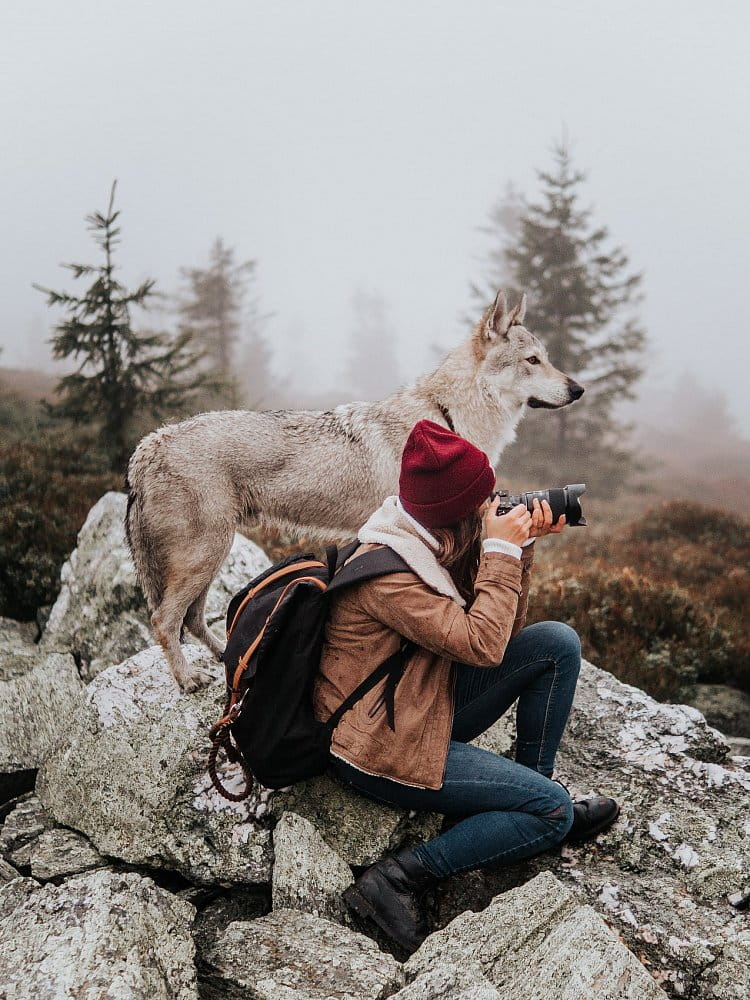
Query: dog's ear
x,y
495,320
517,315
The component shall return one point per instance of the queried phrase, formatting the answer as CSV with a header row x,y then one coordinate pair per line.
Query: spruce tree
x,y
582,300
220,311
121,374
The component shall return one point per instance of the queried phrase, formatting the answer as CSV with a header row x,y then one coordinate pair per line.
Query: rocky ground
x,y
124,873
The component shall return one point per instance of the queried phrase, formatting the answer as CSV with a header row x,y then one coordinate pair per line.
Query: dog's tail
x,y
141,542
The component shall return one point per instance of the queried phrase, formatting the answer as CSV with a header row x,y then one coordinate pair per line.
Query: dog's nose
x,y
576,390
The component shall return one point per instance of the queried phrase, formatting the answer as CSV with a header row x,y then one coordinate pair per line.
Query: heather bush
x,y
646,633
48,483
662,604
684,521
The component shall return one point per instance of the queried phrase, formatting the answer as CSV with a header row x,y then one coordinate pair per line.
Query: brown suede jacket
x,y
365,627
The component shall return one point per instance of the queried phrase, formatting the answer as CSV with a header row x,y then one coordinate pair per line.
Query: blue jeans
x,y
511,809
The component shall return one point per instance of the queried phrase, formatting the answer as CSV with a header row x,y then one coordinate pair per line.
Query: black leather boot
x,y
590,816
388,894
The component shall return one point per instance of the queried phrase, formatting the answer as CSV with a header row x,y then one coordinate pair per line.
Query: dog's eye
x,y
533,360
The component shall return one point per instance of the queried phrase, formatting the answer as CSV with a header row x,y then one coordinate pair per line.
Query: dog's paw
x,y
194,678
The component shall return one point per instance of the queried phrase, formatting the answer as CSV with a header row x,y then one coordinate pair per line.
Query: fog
x,y
361,146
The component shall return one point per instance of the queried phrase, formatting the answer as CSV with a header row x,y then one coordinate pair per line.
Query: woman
x,y
463,606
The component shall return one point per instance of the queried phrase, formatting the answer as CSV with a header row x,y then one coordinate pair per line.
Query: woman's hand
x,y
515,526
541,520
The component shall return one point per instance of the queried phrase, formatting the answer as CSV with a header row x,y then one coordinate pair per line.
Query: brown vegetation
x,y
47,486
662,602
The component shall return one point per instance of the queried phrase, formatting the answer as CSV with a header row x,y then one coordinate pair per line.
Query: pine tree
x,y
218,308
582,299
121,374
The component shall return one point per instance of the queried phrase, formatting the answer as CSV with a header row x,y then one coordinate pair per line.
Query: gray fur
x,y
322,473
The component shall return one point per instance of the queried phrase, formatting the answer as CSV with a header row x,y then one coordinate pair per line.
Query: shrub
x,y
662,604
684,521
47,486
647,634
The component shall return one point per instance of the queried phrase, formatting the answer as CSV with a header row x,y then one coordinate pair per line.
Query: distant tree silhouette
x,y
219,308
582,299
121,374
372,367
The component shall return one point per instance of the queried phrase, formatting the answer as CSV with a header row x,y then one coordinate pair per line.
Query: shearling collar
x,y
391,525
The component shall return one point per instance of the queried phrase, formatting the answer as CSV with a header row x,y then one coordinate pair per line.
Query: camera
x,y
563,500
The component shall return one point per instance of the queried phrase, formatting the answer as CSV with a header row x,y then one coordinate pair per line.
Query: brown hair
x,y
459,549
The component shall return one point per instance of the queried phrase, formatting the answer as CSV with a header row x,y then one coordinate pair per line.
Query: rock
x,y
156,805
307,874
358,830
37,693
444,981
662,873
289,954
539,941
7,872
100,614
727,708
102,934
236,903
16,636
33,843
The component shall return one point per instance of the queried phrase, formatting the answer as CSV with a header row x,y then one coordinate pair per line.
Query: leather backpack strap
x,y
392,668
368,566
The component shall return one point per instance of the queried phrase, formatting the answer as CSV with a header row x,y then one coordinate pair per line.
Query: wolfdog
x,y
193,483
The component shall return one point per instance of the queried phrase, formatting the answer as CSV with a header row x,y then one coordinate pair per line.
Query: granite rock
x,y
539,940
98,935
288,955
131,774
307,874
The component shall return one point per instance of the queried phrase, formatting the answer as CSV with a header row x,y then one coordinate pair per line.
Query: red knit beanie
x,y
443,476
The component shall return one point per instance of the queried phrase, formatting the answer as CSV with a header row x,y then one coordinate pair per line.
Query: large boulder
x,y
662,874
307,874
35,845
100,615
289,954
102,934
358,830
539,941
445,981
37,691
131,774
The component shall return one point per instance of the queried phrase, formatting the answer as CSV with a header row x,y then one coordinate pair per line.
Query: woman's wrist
x,y
502,546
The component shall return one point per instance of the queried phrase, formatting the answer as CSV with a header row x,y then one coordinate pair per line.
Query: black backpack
x,y
274,638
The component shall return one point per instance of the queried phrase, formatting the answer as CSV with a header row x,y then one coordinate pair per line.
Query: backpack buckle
x,y
234,711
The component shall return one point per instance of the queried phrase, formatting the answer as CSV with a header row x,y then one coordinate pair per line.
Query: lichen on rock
x,y
131,773
102,934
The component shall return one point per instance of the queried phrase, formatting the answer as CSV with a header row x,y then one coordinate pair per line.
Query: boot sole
x,y
364,908
593,830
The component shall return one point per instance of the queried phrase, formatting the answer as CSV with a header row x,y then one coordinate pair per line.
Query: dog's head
x,y
514,362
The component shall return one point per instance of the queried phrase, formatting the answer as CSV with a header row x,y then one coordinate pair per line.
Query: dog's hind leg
x,y
187,581
195,620
166,623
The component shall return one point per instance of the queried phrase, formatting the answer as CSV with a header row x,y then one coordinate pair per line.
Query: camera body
x,y
562,499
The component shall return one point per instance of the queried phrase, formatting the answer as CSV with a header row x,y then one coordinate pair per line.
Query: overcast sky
x,y
351,144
